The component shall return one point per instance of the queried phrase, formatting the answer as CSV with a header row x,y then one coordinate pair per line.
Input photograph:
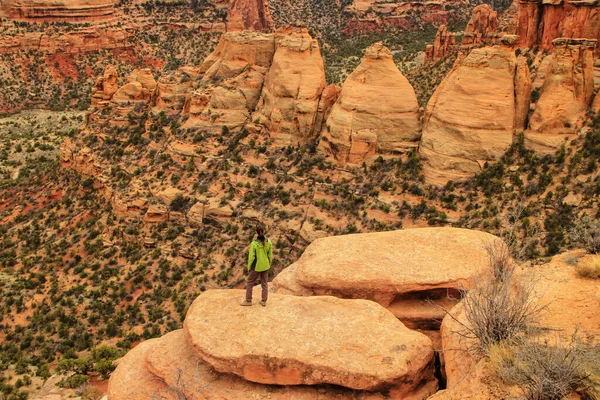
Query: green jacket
x,y
263,254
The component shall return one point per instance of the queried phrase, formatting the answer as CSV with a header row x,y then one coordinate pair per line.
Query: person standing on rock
x,y
260,258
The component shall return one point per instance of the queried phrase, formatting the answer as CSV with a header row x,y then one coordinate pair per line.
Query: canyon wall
x,y
58,10
539,22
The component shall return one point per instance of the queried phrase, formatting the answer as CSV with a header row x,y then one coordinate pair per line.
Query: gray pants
x,y
264,280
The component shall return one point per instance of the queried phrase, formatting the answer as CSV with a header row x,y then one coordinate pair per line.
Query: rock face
x,y
58,10
131,379
249,15
570,302
472,114
565,95
290,98
106,86
541,22
173,88
310,349
415,273
380,266
77,40
482,27
232,79
376,112
168,368
444,43
140,86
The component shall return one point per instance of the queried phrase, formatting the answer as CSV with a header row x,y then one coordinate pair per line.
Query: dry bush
x,y
544,371
589,268
500,306
586,233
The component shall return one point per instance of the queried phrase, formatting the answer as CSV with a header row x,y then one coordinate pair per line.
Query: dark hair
x,y
260,231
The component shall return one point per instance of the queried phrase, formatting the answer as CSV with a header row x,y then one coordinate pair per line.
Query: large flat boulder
x,y
309,340
131,379
173,359
384,266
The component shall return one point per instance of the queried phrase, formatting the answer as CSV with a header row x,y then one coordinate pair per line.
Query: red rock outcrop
x,y
565,95
541,22
58,10
140,86
482,28
401,270
249,15
172,89
78,41
311,348
569,306
289,101
377,111
106,86
232,79
471,117
444,43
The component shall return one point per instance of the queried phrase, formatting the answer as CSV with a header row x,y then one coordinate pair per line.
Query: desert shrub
x,y
546,370
589,268
585,232
501,306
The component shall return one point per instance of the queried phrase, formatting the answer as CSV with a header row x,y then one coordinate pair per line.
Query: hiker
x,y
260,258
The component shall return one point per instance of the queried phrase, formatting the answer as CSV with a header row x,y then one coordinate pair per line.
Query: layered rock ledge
x,y
309,340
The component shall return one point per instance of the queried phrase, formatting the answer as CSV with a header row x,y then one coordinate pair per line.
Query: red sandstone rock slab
x,y
308,340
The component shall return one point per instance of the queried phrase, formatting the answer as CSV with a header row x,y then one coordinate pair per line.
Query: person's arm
x,y
251,255
270,253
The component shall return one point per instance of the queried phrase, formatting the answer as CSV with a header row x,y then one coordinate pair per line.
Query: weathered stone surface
x,y
173,359
443,44
564,98
289,101
106,85
249,15
195,215
540,23
528,18
566,298
376,112
169,194
140,86
58,10
319,340
156,213
173,88
471,116
131,379
523,89
382,265
482,27
232,79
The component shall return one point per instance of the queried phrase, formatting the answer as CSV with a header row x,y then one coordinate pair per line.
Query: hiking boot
x,y
262,303
246,303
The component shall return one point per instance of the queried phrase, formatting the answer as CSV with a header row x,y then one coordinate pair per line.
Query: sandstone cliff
x,y
565,95
249,15
377,111
58,10
444,43
232,80
290,97
105,87
482,27
540,22
471,116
